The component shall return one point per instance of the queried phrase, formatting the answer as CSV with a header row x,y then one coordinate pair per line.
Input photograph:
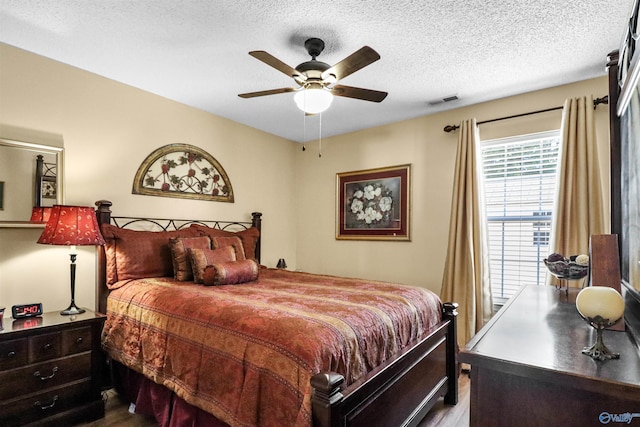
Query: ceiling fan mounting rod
x,y
314,46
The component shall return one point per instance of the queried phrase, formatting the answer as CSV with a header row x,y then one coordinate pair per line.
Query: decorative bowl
x,y
566,269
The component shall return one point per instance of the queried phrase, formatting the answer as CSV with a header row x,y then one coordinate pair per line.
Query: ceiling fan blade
x,y
359,93
274,62
267,92
352,63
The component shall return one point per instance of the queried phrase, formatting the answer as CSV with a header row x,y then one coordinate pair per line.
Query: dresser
x,y
50,368
527,368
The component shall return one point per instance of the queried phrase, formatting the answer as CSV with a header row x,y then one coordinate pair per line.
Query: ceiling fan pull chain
x,y
320,139
304,131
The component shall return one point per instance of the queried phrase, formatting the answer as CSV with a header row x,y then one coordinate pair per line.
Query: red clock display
x,y
26,310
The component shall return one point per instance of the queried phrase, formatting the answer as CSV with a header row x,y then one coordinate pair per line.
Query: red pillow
x,y
200,258
249,237
133,254
230,273
234,242
181,262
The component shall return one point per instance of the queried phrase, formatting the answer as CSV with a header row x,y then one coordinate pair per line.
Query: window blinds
x,y
519,184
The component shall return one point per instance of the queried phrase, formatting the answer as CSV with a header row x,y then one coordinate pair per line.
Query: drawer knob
x,y
11,354
47,346
44,378
79,340
49,406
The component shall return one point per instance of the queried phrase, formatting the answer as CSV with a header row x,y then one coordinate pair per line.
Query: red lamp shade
x,y
72,226
40,214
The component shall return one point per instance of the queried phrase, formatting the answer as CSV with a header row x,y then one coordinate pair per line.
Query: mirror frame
x,y
39,148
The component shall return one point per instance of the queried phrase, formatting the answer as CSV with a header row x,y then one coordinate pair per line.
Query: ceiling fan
x,y
316,79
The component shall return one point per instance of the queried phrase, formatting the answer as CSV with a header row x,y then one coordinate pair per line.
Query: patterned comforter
x,y
245,353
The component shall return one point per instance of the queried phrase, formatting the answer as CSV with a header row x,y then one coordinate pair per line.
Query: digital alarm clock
x,y
26,310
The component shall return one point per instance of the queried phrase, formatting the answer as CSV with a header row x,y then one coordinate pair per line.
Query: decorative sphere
x,y
554,257
600,301
582,259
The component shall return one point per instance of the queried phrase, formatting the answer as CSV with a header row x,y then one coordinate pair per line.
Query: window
x,y
519,183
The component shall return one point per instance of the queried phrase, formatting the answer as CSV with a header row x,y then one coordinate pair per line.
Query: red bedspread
x,y
246,353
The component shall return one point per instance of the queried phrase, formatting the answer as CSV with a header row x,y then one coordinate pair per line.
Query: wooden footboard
x,y
400,392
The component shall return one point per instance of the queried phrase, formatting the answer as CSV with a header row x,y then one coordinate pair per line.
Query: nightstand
x,y
50,369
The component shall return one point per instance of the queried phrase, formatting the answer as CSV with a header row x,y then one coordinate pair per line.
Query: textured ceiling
x,y
196,51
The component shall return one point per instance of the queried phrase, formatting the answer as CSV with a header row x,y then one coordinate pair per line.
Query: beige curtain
x,y
466,272
580,210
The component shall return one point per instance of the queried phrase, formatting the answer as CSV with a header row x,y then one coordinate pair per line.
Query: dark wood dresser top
x,y
540,328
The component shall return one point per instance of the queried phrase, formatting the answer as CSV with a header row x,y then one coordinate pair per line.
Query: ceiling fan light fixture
x,y
313,100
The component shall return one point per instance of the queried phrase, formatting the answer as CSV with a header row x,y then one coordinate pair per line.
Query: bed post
x,y
39,172
450,313
103,214
325,399
256,221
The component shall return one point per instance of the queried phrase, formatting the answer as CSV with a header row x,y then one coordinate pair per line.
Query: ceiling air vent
x,y
443,100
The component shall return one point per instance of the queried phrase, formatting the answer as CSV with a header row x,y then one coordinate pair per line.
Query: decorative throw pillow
x,y
249,237
234,242
135,254
200,258
230,273
181,263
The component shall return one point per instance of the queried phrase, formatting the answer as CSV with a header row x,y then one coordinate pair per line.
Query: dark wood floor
x,y
117,412
442,415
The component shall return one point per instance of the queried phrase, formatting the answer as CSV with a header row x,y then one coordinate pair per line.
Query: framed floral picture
x,y
374,204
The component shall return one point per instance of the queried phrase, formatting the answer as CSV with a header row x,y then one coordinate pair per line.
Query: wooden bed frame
x,y
398,393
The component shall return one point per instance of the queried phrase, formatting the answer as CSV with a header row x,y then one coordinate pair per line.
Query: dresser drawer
x,y
36,407
45,347
41,376
76,340
13,353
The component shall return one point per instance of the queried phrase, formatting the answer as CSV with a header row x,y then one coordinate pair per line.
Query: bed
x,y
251,345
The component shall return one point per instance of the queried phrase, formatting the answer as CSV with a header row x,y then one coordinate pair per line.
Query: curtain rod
x,y
596,102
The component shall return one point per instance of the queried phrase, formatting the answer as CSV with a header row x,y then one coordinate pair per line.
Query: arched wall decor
x,y
183,171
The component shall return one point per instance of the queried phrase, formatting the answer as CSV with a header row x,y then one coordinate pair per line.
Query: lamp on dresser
x,y
72,226
600,306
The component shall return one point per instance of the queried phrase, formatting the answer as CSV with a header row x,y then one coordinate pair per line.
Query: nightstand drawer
x,y
41,376
13,353
36,407
45,347
76,340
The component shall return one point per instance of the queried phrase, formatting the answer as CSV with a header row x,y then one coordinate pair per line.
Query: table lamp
x,y
600,306
72,226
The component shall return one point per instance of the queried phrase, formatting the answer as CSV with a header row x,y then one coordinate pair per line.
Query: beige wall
x,y
109,128
423,143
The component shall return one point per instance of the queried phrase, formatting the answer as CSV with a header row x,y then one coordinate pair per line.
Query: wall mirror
x,y
31,175
627,72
